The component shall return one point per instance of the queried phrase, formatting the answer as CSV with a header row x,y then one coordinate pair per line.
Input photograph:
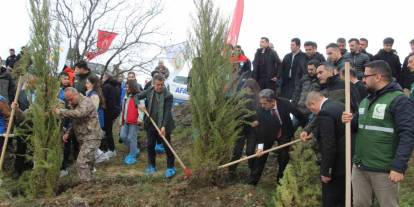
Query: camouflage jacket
x,y
84,118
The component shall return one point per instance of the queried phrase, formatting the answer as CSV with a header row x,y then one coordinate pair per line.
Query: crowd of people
x,y
305,89
302,89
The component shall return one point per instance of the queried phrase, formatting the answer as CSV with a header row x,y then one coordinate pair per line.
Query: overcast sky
x,y
322,21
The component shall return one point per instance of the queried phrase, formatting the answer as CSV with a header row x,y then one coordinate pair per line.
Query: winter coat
x,y
362,89
371,57
269,125
303,87
84,116
112,92
167,119
340,64
317,56
393,60
80,81
407,78
331,138
292,72
402,112
265,64
163,70
10,61
358,60
334,89
7,86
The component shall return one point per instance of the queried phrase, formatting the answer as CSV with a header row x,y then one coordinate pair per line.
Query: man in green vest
x,y
384,138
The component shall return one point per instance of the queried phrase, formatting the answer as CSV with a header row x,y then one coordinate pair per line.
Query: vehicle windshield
x,y
181,80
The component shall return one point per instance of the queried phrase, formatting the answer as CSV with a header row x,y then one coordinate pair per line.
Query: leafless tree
x,y
135,22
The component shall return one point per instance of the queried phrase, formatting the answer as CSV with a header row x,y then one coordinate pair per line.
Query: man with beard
x,y
384,140
335,57
307,83
390,56
363,44
266,65
341,42
358,59
293,68
407,77
312,53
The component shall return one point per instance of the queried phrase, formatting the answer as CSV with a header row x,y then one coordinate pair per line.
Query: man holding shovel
x,y
275,124
158,102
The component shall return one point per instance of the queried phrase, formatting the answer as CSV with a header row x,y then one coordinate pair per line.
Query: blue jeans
x,y
129,133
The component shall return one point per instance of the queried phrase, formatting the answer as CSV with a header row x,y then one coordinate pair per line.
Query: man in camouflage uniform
x,y
85,126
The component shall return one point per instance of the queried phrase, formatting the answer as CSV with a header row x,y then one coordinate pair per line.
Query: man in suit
x,y
331,140
275,124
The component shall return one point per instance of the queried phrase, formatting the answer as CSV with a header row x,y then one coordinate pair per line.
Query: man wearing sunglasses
x,y
384,138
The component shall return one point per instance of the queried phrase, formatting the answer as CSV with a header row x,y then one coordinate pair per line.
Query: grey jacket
x,y
7,86
302,88
358,60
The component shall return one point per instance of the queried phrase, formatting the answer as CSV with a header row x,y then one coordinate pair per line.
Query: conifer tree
x,y
45,135
216,110
300,185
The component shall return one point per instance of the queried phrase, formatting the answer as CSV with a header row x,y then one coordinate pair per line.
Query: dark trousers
x,y
108,140
69,147
333,193
247,138
21,163
260,162
153,136
258,165
282,156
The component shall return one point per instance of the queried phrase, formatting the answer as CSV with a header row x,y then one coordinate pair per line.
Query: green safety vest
x,y
376,139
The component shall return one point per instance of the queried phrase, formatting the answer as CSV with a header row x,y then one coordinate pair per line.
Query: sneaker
x,y
159,148
98,153
170,172
130,160
110,154
63,173
150,170
103,158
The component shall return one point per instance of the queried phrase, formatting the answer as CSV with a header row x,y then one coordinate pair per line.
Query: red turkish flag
x,y
234,30
104,42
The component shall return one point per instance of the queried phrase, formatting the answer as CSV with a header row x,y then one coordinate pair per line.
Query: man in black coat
x,y
275,124
407,78
293,68
331,141
390,56
12,59
266,65
363,44
312,53
112,93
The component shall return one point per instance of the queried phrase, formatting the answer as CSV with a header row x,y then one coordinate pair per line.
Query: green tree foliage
x,y
216,109
300,185
45,136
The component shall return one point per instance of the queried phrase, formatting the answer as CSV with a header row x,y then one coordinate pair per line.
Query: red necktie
x,y
275,114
